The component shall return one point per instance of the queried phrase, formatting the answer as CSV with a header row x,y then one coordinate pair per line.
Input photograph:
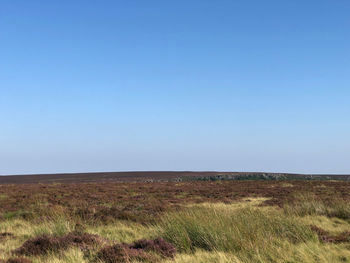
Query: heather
x,y
195,221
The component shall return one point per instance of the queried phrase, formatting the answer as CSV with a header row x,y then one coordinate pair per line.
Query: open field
x,y
187,221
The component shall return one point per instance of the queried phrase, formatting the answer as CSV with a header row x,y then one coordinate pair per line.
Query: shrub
x,y
142,250
44,244
18,260
158,245
40,245
121,253
111,254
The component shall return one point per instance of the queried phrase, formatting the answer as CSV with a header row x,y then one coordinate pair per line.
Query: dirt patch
x,y
43,244
139,251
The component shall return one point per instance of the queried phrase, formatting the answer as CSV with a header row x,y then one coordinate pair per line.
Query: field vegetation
x,y
195,221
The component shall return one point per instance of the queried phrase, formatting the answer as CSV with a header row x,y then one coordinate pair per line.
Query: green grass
x,y
246,234
310,205
245,229
309,252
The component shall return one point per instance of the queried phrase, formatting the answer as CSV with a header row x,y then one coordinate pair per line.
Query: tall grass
x,y
215,229
309,252
307,204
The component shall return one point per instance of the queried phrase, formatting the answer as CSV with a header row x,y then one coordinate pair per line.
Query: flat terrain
x,y
150,176
100,177
198,220
146,199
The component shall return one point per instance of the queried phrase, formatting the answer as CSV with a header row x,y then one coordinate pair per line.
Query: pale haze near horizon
x,y
174,85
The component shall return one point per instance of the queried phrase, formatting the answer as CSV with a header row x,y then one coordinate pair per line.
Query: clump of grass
x,y
339,209
201,256
308,252
59,227
122,231
307,204
18,214
215,229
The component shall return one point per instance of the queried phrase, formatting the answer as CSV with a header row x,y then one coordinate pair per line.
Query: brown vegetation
x,y
5,235
326,237
16,260
44,244
143,202
137,251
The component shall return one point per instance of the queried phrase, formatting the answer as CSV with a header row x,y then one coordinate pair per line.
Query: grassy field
x,y
197,221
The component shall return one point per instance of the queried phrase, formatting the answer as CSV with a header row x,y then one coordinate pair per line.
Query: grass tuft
x,y
214,229
308,204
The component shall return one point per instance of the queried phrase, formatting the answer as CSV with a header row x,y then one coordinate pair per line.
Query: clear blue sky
x,y
174,85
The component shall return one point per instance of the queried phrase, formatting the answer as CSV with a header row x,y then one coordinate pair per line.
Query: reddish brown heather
x,y
120,253
43,244
5,235
17,260
143,202
325,237
137,251
158,245
342,237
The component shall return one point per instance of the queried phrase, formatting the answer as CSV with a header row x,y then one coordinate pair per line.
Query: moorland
x,y
201,219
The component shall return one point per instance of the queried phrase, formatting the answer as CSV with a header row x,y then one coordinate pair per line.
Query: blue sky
x,y
174,85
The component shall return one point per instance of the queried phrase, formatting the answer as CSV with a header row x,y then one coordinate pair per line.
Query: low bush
x,y
158,245
142,250
44,244
18,260
121,253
